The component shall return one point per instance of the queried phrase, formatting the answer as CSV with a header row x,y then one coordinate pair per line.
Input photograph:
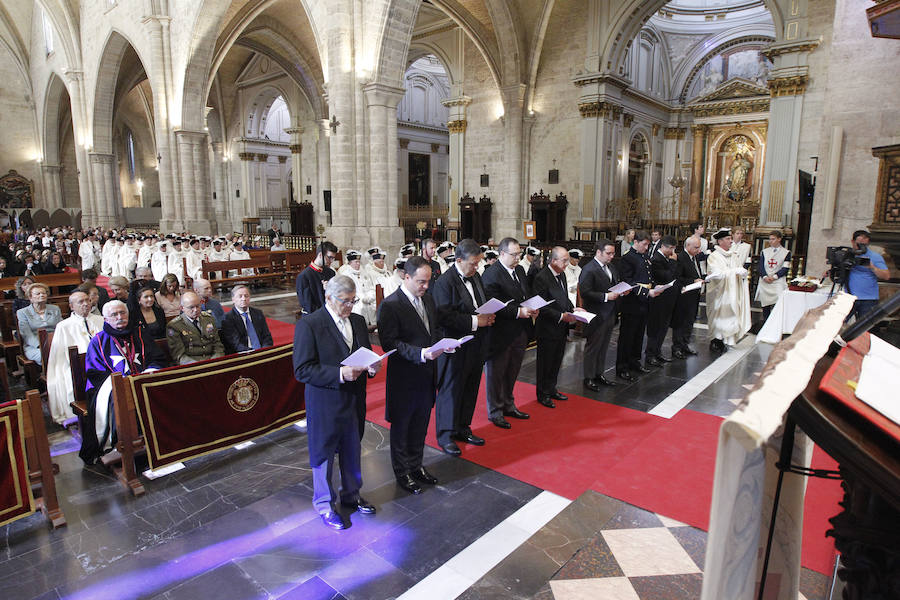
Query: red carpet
x,y
662,465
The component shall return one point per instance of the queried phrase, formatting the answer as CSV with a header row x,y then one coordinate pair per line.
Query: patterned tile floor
x,y
597,548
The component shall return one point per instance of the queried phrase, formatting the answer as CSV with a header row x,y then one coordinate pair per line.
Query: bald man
x,y
193,335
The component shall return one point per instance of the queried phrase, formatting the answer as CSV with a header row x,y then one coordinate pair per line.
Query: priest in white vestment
x,y
240,254
175,262
365,288
377,271
194,259
727,295
108,255
145,253
159,261
774,265
127,259
86,252
573,272
77,330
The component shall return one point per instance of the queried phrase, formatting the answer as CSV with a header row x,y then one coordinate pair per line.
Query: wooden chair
x,y
11,347
37,373
79,382
41,469
4,382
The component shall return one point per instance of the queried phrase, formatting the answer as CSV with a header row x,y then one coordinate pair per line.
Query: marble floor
x,y
239,524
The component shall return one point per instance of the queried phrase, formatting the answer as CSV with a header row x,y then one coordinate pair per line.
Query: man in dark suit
x,y
322,340
655,242
552,325
505,280
593,284
245,327
428,249
663,268
457,293
635,269
311,280
407,323
685,313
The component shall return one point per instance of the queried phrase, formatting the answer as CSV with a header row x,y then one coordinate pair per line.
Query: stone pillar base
x,y
202,227
507,227
169,226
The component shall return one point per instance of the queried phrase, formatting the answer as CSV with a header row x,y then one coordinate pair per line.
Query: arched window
x,y
129,151
48,32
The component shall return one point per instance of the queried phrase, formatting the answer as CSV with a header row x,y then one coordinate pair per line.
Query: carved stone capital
x,y
788,86
596,109
404,143
654,129
282,159
673,133
800,46
627,119
246,155
458,126
699,130
262,156
296,148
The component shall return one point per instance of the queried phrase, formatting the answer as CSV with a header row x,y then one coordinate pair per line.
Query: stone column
x,y
262,184
696,201
323,175
509,205
197,206
456,124
381,109
82,161
103,176
52,187
242,204
221,205
296,160
339,39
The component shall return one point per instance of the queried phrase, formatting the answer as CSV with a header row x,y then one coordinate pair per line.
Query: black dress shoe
x,y
546,402
653,362
501,423
604,381
643,369
362,506
333,520
625,375
679,354
409,484
424,476
469,438
591,384
663,359
690,351
559,397
717,345
451,448
516,414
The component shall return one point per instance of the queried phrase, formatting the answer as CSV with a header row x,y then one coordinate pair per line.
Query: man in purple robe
x,y
118,348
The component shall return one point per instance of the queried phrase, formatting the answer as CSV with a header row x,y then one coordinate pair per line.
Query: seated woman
x,y
168,296
119,287
22,286
93,293
146,313
39,315
54,264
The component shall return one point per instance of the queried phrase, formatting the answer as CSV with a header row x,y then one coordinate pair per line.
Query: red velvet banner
x,y
16,500
196,409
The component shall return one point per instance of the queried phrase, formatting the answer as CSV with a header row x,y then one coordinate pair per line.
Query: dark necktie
x,y
479,297
197,325
561,278
251,331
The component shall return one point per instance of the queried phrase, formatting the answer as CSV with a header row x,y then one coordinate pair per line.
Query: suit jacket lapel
x,y
464,293
332,328
413,314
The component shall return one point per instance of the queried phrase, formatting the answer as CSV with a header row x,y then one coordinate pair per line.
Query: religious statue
x,y
736,184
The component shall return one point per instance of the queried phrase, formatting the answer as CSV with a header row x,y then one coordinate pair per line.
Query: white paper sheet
x,y
690,288
664,286
583,315
535,303
878,377
621,288
450,343
364,358
491,306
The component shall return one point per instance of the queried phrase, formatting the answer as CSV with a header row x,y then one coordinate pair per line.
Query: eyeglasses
x,y
345,302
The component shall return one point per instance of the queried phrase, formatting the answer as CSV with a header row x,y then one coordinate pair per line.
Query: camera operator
x,y
863,279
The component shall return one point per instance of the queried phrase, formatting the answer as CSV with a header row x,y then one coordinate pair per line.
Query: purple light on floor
x,y
285,534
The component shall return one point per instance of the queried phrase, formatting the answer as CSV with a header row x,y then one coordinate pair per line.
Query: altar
x,y
788,311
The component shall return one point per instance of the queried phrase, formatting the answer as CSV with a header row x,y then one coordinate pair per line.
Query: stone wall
x,y
556,133
484,133
19,147
861,92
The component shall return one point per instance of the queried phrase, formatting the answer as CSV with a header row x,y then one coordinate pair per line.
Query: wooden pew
x,y
8,324
41,469
262,267
54,282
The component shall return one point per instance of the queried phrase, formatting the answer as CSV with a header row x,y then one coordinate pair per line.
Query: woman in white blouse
x,y
38,315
